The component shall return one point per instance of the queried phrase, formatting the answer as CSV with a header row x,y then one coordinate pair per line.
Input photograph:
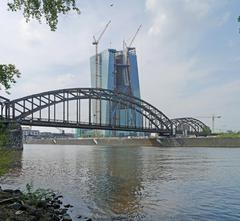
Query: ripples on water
x,y
137,183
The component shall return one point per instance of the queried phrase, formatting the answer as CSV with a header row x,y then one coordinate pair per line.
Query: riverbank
x,y
8,159
31,205
161,142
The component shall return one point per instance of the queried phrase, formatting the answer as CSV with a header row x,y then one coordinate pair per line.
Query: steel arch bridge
x,y
190,125
65,108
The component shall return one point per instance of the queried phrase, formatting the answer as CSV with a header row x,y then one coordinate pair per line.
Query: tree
x,y
8,75
48,9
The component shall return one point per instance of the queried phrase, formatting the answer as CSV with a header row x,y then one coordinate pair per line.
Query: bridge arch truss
x,y
190,125
65,108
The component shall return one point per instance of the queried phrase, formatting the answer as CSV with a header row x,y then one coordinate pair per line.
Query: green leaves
x,y
38,195
8,75
48,9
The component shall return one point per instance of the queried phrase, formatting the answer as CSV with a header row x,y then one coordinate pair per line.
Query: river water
x,y
136,183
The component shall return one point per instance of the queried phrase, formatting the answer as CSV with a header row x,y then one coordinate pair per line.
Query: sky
x,y
188,52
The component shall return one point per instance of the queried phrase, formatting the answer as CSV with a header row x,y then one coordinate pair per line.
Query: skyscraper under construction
x,y
117,71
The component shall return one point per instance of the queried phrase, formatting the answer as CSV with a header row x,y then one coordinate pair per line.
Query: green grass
x,y
230,135
7,158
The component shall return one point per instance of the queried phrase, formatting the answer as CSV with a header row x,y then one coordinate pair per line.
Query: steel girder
x,y
3,101
190,124
22,109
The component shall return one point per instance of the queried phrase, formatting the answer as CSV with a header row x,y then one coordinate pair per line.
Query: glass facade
x,y
118,71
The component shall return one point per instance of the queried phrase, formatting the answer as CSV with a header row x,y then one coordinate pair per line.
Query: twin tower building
x,y
116,71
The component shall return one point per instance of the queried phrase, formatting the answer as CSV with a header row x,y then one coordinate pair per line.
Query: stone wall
x,y
15,137
199,142
96,141
160,142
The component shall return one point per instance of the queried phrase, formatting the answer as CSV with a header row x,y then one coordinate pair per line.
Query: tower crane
x,y
96,42
128,48
125,45
98,75
134,37
213,117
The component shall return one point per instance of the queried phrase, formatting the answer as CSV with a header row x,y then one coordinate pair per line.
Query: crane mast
x,y
96,42
127,70
98,76
128,47
212,117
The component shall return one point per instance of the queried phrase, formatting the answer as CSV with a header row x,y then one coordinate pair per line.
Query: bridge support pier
x,y
15,136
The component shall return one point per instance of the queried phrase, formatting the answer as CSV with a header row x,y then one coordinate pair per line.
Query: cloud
x,y
159,21
187,52
198,9
151,4
178,78
224,19
29,32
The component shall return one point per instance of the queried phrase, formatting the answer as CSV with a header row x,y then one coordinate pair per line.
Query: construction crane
x,y
126,60
96,42
126,49
98,75
125,45
134,37
213,117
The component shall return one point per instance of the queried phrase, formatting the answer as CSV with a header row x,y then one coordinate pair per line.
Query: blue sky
x,y
188,52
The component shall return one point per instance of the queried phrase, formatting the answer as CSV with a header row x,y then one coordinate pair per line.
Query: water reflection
x,y
115,181
136,183
168,165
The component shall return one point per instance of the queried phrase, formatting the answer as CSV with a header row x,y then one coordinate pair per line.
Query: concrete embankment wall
x,y
199,142
61,141
161,142
97,141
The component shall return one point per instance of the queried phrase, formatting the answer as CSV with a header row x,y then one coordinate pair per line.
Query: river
x,y
136,183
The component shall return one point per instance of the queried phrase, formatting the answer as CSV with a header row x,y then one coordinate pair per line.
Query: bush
x,y
34,197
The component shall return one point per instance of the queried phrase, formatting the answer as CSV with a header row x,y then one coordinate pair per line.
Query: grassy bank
x,y
229,135
7,158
